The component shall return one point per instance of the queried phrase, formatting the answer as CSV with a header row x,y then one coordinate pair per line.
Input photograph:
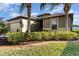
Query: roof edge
x,y
20,17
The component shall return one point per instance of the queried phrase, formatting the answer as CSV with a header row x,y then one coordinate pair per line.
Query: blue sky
x,y
8,11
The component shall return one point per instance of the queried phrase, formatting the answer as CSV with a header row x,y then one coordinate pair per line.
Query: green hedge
x,y
16,37
66,35
60,35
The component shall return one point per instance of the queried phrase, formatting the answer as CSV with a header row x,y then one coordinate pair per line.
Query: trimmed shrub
x,y
15,37
41,36
66,35
34,36
47,35
59,35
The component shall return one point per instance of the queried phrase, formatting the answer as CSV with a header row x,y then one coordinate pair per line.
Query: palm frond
x,y
22,7
42,6
51,5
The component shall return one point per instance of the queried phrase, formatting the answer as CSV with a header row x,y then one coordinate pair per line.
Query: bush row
x,y
16,37
60,35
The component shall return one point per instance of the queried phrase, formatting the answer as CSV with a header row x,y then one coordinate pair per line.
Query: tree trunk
x,y
67,22
66,18
28,19
66,10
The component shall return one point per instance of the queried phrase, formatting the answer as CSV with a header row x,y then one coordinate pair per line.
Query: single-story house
x,y
48,22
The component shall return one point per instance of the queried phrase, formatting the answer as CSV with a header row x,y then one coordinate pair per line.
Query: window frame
x,y
52,23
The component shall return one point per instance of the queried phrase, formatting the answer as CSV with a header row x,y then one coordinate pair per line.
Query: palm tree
x,y
66,9
28,6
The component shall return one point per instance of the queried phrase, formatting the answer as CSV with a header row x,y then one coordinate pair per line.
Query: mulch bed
x,y
30,44
23,45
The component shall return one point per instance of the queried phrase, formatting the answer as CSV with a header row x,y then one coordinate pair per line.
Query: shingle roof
x,y
25,17
44,14
39,16
55,15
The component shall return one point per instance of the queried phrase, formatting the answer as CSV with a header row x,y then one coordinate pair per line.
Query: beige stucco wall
x,y
14,25
34,25
24,25
21,25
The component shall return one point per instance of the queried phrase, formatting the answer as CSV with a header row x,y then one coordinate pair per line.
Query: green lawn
x,y
51,49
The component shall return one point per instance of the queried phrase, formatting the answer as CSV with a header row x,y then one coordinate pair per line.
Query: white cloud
x,y
76,15
34,14
4,6
12,9
71,11
14,14
58,9
76,19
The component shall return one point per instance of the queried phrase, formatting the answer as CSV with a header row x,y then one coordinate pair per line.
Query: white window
x,y
54,23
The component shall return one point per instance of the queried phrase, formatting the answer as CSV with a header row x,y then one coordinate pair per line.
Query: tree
x,y
66,9
3,27
28,6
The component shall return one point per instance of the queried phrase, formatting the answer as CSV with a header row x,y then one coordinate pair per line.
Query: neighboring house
x,y
45,21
